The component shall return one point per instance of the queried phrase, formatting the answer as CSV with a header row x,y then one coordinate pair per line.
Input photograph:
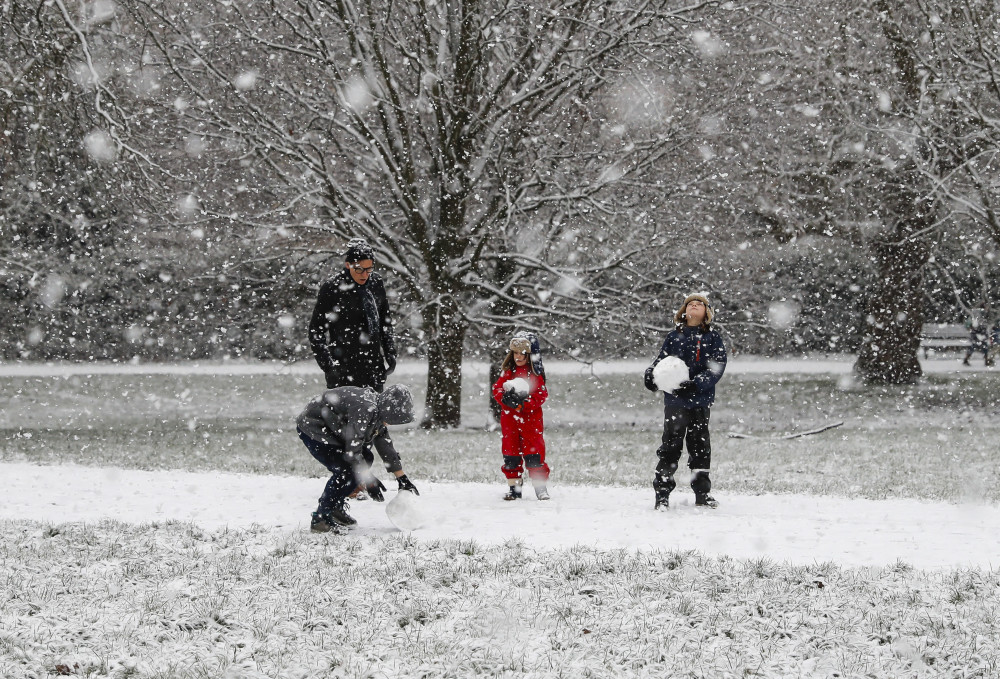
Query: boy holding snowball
x,y
690,363
521,391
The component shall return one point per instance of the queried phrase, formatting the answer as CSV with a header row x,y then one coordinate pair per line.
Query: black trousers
x,y
357,375
343,479
680,425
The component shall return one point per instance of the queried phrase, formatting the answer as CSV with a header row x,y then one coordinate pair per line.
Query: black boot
x,y
513,492
338,513
662,487
324,523
701,484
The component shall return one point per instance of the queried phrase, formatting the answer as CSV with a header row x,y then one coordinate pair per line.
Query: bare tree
x,y
62,185
489,149
942,113
960,72
871,126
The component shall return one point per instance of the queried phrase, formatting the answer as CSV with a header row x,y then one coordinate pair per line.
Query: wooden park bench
x,y
943,337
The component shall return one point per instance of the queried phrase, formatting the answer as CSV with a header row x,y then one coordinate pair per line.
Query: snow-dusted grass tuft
x,y
172,600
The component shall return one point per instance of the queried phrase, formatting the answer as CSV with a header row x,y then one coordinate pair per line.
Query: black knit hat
x,y
395,405
358,249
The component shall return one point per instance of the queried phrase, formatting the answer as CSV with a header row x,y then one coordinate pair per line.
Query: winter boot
x,y
541,492
338,514
513,491
323,523
662,487
701,484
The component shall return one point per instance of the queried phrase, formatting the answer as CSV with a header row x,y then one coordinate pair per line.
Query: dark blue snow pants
x,y
342,481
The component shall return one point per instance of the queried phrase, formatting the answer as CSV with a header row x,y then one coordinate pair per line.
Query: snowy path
x,y
841,364
787,528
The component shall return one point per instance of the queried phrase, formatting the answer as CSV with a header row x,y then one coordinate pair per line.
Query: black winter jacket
x,y
341,335
705,356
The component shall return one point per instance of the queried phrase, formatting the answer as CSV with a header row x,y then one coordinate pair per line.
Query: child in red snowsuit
x,y
521,392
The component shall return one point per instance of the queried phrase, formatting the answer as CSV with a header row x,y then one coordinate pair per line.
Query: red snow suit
x,y
521,430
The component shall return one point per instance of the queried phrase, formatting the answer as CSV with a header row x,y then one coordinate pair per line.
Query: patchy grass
x,y
932,441
171,600
176,601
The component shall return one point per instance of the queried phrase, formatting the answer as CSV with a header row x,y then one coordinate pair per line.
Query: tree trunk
x,y
894,313
446,338
888,353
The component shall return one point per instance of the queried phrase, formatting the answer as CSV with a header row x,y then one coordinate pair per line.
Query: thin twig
x,y
737,435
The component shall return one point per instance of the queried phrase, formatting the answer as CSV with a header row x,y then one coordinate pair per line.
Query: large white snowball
x,y
669,373
518,385
404,511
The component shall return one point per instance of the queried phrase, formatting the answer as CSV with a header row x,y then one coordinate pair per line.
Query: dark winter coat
x,y
705,356
348,418
353,345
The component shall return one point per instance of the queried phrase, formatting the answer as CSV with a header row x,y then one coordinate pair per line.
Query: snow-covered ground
x,y
838,364
794,529
797,529
229,582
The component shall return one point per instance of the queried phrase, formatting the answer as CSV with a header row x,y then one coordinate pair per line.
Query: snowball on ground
x,y
404,511
669,373
518,384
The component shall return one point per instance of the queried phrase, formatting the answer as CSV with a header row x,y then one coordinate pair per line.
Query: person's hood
x,y
395,405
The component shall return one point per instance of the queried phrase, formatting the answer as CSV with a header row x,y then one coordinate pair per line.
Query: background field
x,y
116,599
935,441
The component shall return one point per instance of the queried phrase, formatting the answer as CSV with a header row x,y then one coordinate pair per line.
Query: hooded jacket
x,y
530,413
349,418
703,352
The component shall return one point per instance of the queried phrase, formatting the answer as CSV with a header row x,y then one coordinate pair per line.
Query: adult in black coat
x,y
351,331
351,327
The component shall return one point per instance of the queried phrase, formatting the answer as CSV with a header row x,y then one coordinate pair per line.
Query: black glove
x,y
406,484
375,489
512,399
390,362
648,379
685,389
